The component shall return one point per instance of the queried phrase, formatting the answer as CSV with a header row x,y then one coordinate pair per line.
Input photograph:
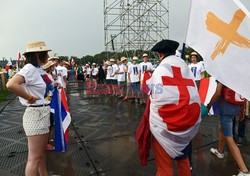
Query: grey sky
x,y
69,27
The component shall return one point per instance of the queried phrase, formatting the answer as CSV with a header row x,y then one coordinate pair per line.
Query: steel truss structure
x,y
135,25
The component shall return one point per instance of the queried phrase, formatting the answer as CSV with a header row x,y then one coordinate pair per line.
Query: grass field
x,y
3,95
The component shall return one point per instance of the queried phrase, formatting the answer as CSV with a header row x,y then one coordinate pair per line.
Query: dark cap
x,y
166,46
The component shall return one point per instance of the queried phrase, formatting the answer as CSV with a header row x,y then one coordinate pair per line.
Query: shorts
x,y
135,87
109,81
226,123
120,84
87,76
94,77
36,120
114,81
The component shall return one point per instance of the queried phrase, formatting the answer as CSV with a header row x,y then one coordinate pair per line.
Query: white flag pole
x,y
188,20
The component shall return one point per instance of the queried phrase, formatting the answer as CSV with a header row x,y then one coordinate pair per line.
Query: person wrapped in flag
x,y
172,116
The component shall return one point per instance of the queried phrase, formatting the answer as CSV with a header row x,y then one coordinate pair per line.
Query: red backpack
x,y
232,97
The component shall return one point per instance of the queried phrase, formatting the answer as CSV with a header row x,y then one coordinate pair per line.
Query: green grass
x,y
3,94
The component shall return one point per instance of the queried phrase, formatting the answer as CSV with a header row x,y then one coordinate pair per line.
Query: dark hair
x,y
31,58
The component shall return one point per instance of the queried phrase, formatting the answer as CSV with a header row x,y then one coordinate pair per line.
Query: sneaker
x,y
240,142
243,174
217,153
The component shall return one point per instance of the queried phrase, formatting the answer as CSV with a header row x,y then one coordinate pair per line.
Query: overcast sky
x,y
69,27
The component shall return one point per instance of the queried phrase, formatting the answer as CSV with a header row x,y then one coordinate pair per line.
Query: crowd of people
x,y
167,99
125,80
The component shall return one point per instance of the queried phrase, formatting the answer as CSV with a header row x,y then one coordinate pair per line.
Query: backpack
x,y
232,97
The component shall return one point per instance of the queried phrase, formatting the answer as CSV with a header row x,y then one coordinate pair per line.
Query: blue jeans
x,y
227,113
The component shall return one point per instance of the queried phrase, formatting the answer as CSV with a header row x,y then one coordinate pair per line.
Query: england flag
x,y
174,114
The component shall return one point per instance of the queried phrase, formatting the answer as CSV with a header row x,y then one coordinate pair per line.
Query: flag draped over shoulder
x,y
173,114
220,31
62,118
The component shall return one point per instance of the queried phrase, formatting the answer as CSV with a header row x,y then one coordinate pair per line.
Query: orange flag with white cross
x,y
220,31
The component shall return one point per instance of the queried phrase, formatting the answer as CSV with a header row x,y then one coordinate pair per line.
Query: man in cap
x,y
145,66
197,68
174,112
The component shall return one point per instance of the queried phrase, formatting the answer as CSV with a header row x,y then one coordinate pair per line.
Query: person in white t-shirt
x,y
49,67
120,77
54,72
114,76
108,70
145,66
88,72
62,73
134,78
129,89
94,74
197,68
30,86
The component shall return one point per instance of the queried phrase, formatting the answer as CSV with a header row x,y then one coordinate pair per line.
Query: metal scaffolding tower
x,y
135,25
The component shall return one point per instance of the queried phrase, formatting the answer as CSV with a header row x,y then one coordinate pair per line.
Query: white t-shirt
x,y
34,83
134,73
126,69
95,71
63,72
145,66
114,69
197,69
121,77
109,72
88,70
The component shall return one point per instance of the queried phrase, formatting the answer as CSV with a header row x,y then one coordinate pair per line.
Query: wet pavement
x,y
102,140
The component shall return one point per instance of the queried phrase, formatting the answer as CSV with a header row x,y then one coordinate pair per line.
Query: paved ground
x,y
102,140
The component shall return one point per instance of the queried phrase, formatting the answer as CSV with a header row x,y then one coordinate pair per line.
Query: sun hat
x,y
36,46
65,62
94,64
48,64
145,55
112,60
123,59
53,58
108,63
194,54
135,58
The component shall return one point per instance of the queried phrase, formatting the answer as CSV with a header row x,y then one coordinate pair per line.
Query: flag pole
x,y
189,13
185,37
